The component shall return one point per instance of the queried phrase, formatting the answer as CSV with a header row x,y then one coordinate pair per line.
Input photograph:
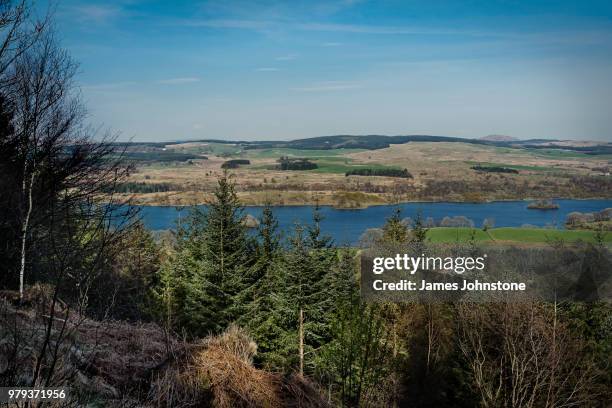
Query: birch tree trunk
x,y
301,335
24,229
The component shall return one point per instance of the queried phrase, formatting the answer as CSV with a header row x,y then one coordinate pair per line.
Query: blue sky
x,y
162,70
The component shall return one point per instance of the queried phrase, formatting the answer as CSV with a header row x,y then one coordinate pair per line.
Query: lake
x,y
346,226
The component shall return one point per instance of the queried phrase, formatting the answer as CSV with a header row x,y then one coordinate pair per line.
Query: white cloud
x,y
267,69
331,44
178,81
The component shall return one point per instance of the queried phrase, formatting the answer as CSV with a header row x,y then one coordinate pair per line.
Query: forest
x,y
211,314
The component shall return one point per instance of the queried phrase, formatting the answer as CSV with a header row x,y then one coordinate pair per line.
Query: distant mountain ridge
x,y
499,138
374,142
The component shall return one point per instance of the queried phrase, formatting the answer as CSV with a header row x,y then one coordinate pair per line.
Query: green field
x,y
531,235
342,166
563,154
308,154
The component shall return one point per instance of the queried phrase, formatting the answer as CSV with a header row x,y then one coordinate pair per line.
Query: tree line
x,y
401,173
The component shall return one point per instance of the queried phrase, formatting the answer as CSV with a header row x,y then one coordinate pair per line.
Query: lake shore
x,y
340,200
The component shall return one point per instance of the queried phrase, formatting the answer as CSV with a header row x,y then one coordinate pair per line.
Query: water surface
x,y
346,226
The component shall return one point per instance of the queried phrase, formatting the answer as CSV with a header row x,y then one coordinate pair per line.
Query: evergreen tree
x,y
358,360
298,321
394,230
210,268
268,244
261,281
419,232
315,239
343,280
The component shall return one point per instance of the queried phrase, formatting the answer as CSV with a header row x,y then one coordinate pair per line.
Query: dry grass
x,y
427,162
121,364
219,372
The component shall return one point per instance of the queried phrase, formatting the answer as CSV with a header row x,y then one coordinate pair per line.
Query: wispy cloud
x,y
328,86
97,13
575,37
267,69
227,23
178,81
288,57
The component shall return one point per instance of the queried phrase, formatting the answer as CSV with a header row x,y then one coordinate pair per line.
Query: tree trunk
x,y
301,335
24,234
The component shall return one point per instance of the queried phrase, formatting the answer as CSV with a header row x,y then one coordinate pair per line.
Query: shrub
x,y
286,163
494,169
401,173
233,164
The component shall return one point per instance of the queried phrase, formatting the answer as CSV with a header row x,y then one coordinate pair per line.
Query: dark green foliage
x,y
401,173
286,163
298,284
419,232
209,272
495,169
142,187
260,277
234,163
315,239
358,358
394,230
161,156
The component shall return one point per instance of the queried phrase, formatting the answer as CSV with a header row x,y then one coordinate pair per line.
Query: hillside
x,y
118,363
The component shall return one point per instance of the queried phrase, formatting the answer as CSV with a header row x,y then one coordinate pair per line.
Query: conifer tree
x,y
298,321
419,232
394,231
261,280
316,240
209,269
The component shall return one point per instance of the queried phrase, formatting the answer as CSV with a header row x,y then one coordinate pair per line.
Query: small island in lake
x,y
543,205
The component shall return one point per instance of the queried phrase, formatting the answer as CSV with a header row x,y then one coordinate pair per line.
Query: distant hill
x,y
499,138
373,142
370,142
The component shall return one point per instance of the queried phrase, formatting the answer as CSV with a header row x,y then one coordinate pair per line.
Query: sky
x,y
280,70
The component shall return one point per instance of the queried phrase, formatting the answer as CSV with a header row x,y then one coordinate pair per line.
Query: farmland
x,y
440,170
505,235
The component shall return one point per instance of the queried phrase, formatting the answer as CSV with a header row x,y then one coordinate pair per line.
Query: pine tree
x,y
394,231
268,234
209,269
419,232
343,280
298,321
261,282
315,239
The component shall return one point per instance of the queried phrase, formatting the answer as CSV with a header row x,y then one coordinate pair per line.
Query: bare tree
x,y
520,355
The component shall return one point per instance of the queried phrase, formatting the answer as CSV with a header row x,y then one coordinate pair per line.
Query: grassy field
x,y
441,172
308,154
530,235
563,154
329,166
